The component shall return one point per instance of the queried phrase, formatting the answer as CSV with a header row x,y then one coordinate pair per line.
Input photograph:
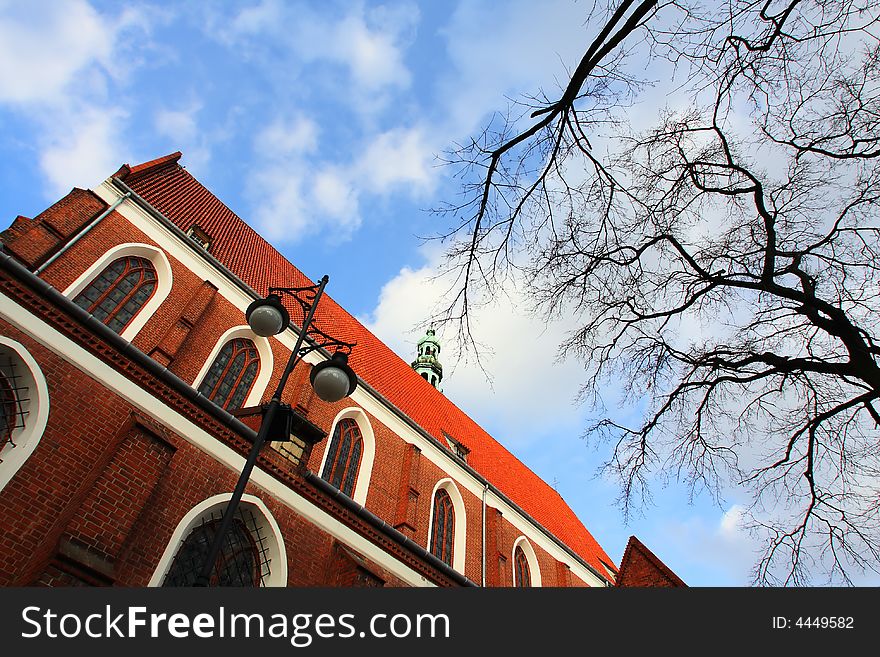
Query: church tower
x,y
427,363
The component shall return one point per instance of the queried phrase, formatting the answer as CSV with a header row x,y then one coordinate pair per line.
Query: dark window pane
x,y
343,456
238,563
339,467
444,527
331,453
521,569
125,284
351,468
234,369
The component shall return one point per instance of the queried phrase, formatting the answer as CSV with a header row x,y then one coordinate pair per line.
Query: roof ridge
x,y
126,170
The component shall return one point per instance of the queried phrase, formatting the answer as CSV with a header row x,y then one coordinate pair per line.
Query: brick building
x,y
641,568
131,388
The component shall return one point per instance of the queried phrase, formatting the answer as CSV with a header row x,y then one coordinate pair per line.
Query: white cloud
x,y
292,195
519,351
371,55
52,50
180,124
335,196
367,43
59,69
731,522
42,48
315,194
398,158
285,137
83,148
721,547
265,16
279,204
182,127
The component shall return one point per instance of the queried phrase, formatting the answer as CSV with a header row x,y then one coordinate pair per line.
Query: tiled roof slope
x,y
169,188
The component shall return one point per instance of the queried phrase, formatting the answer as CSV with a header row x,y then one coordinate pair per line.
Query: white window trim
x,y
163,283
531,558
275,541
264,350
368,453
26,438
459,536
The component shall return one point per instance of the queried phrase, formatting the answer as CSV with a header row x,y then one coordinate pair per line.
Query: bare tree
x,y
722,262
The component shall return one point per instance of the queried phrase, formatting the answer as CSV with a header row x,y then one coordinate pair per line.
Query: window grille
x,y
13,399
232,374
344,456
243,559
443,527
116,295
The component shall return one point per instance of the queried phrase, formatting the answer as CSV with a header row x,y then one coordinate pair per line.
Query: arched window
x,y
521,575
24,407
242,560
344,456
443,527
116,294
231,375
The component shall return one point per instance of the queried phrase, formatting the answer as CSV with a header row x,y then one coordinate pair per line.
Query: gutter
x,y
46,291
234,279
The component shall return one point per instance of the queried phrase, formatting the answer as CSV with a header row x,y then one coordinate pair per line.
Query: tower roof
x,y
174,192
429,337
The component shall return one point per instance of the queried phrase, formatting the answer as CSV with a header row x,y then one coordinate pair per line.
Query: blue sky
x,y
320,124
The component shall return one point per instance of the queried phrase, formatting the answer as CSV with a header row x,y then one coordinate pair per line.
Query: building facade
x,y
131,390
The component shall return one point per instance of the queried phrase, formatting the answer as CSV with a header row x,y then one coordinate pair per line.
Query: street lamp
x,y
332,380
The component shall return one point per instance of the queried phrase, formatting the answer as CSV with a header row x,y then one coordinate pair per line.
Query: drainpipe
x,y
485,492
39,270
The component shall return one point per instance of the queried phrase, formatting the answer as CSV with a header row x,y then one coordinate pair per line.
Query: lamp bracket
x,y
305,297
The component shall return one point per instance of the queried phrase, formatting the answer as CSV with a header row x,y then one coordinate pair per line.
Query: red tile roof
x,y
169,188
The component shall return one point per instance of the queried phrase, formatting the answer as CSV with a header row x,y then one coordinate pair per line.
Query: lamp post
x,y
331,380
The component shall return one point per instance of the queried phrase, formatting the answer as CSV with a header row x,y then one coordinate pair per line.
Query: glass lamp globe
x,y
267,316
333,379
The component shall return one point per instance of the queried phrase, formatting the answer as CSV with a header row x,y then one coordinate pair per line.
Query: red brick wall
x,y
36,240
641,568
115,487
74,494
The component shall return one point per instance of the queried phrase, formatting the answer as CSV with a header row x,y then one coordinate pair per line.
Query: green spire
x,y
427,362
